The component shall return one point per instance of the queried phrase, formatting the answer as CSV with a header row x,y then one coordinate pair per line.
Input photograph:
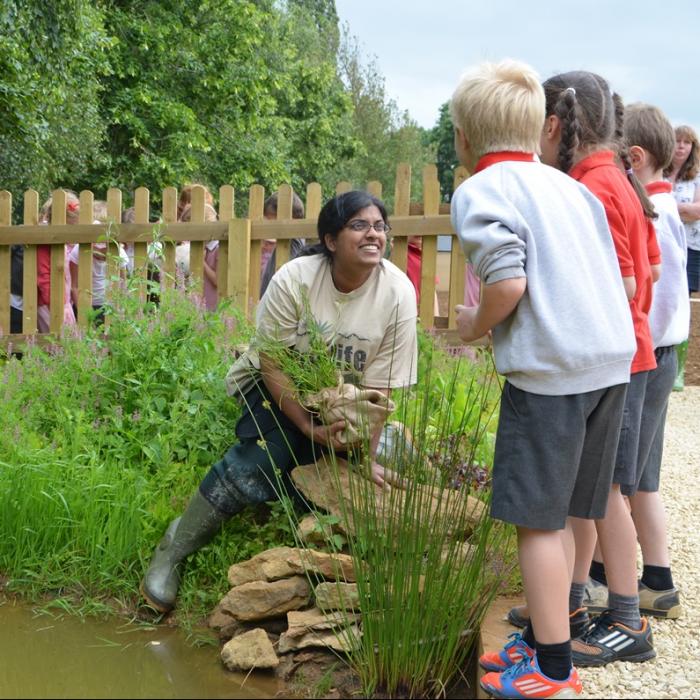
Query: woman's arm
x,y
283,392
690,211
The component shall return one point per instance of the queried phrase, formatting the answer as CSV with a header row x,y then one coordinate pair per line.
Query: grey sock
x,y
576,596
625,609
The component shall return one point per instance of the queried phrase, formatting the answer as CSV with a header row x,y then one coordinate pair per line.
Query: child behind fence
x,y
211,257
100,267
43,265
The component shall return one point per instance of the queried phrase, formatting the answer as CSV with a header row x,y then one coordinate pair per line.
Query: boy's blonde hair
x,y
499,107
646,126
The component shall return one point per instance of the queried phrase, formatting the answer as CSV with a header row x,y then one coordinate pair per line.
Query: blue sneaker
x,y
525,680
512,653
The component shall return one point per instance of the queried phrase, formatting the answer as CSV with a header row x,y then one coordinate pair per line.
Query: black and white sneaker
x,y
606,641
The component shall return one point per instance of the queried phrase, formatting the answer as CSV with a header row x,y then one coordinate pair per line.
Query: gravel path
x,y
675,673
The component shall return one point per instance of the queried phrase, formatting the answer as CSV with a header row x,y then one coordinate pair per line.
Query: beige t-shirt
x,y
372,328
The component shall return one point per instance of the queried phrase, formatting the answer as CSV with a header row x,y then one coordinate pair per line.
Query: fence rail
x,y
240,240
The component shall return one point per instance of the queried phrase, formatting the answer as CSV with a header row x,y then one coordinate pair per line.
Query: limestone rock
x,y
248,651
219,618
333,487
337,596
283,562
252,570
258,600
344,640
311,530
300,622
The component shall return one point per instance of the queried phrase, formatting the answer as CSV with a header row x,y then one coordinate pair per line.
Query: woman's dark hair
x,y
335,215
590,115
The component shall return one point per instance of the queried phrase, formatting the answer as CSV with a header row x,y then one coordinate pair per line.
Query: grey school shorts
x,y
555,456
651,434
627,460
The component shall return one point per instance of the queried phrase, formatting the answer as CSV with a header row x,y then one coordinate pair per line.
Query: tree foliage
x,y
386,135
159,92
442,138
53,57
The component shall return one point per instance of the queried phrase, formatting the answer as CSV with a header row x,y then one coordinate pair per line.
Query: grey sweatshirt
x,y
572,329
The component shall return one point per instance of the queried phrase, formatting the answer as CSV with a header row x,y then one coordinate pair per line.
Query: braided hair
x,y
590,116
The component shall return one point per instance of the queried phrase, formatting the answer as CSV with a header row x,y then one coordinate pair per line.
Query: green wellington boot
x,y
682,352
185,535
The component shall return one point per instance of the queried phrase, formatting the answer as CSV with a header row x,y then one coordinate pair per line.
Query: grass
x,y
103,441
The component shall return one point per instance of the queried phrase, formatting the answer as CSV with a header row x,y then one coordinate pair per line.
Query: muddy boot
x,y
682,352
185,535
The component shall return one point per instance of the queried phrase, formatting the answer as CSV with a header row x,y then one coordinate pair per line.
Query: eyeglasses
x,y
365,226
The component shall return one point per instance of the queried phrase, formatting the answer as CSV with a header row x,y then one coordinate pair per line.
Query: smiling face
x,y
356,249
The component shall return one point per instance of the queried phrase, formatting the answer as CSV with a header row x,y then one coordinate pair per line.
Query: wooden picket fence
x,y
240,240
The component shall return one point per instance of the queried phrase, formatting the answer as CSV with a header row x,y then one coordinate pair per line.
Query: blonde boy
x,y
563,338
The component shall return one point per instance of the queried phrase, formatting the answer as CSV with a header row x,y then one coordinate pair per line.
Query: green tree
x,y
235,92
442,138
52,56
386,135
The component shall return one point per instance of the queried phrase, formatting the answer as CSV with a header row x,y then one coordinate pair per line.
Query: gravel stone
x,y
675,672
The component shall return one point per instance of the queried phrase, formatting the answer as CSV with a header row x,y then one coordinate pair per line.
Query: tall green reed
x,y
427,569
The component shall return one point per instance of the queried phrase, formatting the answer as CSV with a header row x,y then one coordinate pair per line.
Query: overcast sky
x,y
647,50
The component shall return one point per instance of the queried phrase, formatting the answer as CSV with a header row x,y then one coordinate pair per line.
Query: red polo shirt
x,y
634,238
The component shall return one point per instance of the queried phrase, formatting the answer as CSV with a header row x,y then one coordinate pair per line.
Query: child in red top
x,y
584,118
43,265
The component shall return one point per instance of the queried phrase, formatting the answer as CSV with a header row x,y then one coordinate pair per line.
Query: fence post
x,y
58,265
374,187
5,263
457,262
226,213
29,288
256,205
402,206
142,206
314,195
167,277
239,264
285,197
431,207
197,247
85,216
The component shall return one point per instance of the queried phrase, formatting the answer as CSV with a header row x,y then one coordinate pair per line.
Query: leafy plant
x,y
103,440
310,369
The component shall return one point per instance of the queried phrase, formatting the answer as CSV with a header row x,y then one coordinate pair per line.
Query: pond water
x,y
49,656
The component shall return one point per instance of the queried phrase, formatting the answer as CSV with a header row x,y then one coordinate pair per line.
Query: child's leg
x,y
618,543
545,573
585,537
649,517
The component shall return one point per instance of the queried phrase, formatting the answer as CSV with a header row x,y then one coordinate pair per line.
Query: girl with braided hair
x,y
583,136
